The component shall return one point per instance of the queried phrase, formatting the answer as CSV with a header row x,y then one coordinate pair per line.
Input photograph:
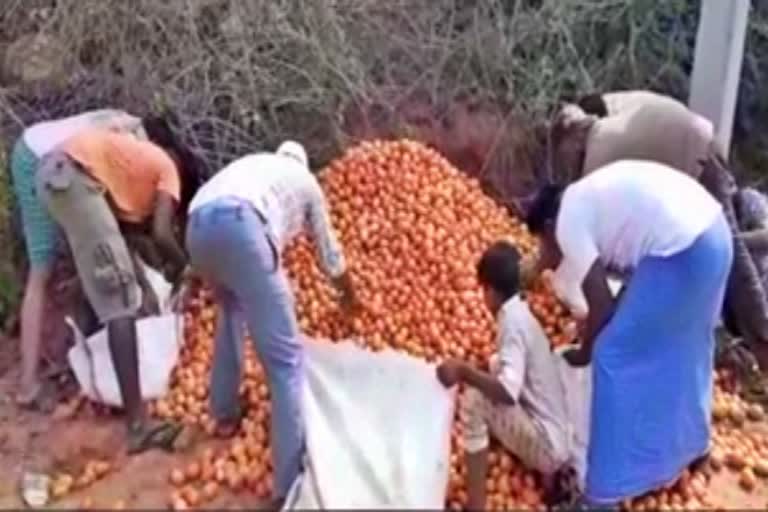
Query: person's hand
x,y
450,372
348,297
571,330
547,277
576,357
181,288
177,276
172,273
151,304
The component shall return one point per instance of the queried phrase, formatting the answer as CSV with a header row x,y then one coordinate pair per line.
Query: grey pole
x,y
717,64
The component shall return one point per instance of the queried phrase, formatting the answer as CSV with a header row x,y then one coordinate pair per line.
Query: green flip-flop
x,y
156,435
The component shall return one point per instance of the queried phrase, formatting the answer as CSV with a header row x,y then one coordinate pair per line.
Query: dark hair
x,y
544,208
499,268
159,131
594,104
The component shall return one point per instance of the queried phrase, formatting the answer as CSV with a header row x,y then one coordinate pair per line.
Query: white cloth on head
x,y
294,150
621,213
286,193
527,370
43,137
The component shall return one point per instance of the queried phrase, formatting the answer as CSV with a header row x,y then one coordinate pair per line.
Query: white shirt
x,y
528,371
43,137
286,193
621,213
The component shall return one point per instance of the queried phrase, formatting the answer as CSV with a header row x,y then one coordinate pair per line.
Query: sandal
x,y
35,489
143,436
43,400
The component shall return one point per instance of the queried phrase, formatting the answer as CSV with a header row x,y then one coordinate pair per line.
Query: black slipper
x,y
155,435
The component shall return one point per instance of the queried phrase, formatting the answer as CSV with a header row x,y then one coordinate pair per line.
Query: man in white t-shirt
x,y
652,350
521,402
644,125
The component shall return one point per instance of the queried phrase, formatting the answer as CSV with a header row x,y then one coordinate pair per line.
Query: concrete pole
x,y
717,64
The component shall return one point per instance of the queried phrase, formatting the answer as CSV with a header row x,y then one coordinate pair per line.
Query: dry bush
x,y
242,75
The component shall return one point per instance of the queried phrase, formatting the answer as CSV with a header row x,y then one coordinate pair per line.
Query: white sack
x,y
378,431
577,385
159,339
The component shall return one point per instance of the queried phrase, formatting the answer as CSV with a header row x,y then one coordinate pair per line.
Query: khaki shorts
x,y
512,426
105,267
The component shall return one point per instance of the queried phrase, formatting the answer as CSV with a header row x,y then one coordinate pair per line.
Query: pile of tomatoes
x,y
412,228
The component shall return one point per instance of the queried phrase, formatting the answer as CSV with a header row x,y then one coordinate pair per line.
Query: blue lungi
x,y
652,368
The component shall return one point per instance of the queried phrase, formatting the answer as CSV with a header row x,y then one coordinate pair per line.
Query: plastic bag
x,y
378,431
158,339
577,386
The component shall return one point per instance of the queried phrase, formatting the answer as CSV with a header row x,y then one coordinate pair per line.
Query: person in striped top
x,y
41,233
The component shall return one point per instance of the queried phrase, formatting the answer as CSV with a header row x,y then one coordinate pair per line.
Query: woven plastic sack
x,y
158,338
378,431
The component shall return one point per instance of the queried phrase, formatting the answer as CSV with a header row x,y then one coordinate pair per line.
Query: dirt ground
x,y
30,441
34,442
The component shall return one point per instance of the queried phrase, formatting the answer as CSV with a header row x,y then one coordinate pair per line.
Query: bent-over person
x,y
90,183
644,125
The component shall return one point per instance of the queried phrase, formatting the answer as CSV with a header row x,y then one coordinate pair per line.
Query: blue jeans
x,y
228,244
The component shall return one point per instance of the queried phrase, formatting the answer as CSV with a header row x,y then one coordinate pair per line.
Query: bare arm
x,y
331,255
329,248
486,383
151,304
163,233
601,307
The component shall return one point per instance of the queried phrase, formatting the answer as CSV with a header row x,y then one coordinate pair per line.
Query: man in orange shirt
x,y
93,183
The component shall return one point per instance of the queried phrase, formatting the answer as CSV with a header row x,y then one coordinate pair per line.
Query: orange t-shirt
x,y
132,170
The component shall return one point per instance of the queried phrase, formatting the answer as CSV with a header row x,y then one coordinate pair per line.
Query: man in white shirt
x,y
521,401
239,222
644,125
652,351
